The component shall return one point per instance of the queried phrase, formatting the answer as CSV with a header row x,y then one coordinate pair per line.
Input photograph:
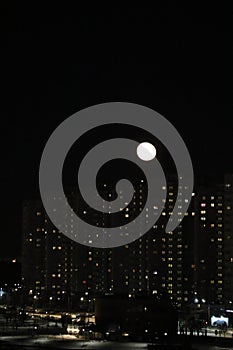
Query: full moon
x,y
146,151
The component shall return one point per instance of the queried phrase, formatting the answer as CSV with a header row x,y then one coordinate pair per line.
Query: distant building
x,y
194,262
213,248
159,263
228,239
49,268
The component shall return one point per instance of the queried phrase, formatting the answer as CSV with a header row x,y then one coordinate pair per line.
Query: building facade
x,y
194,262
213,241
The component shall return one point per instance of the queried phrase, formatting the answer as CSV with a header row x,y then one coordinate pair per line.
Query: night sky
x,y
57,61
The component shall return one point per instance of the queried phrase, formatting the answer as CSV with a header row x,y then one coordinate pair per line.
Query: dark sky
x,y
57,61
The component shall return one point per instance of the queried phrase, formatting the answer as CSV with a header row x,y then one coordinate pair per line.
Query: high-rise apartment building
x,y
213,241
193,262
228,239
49,259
